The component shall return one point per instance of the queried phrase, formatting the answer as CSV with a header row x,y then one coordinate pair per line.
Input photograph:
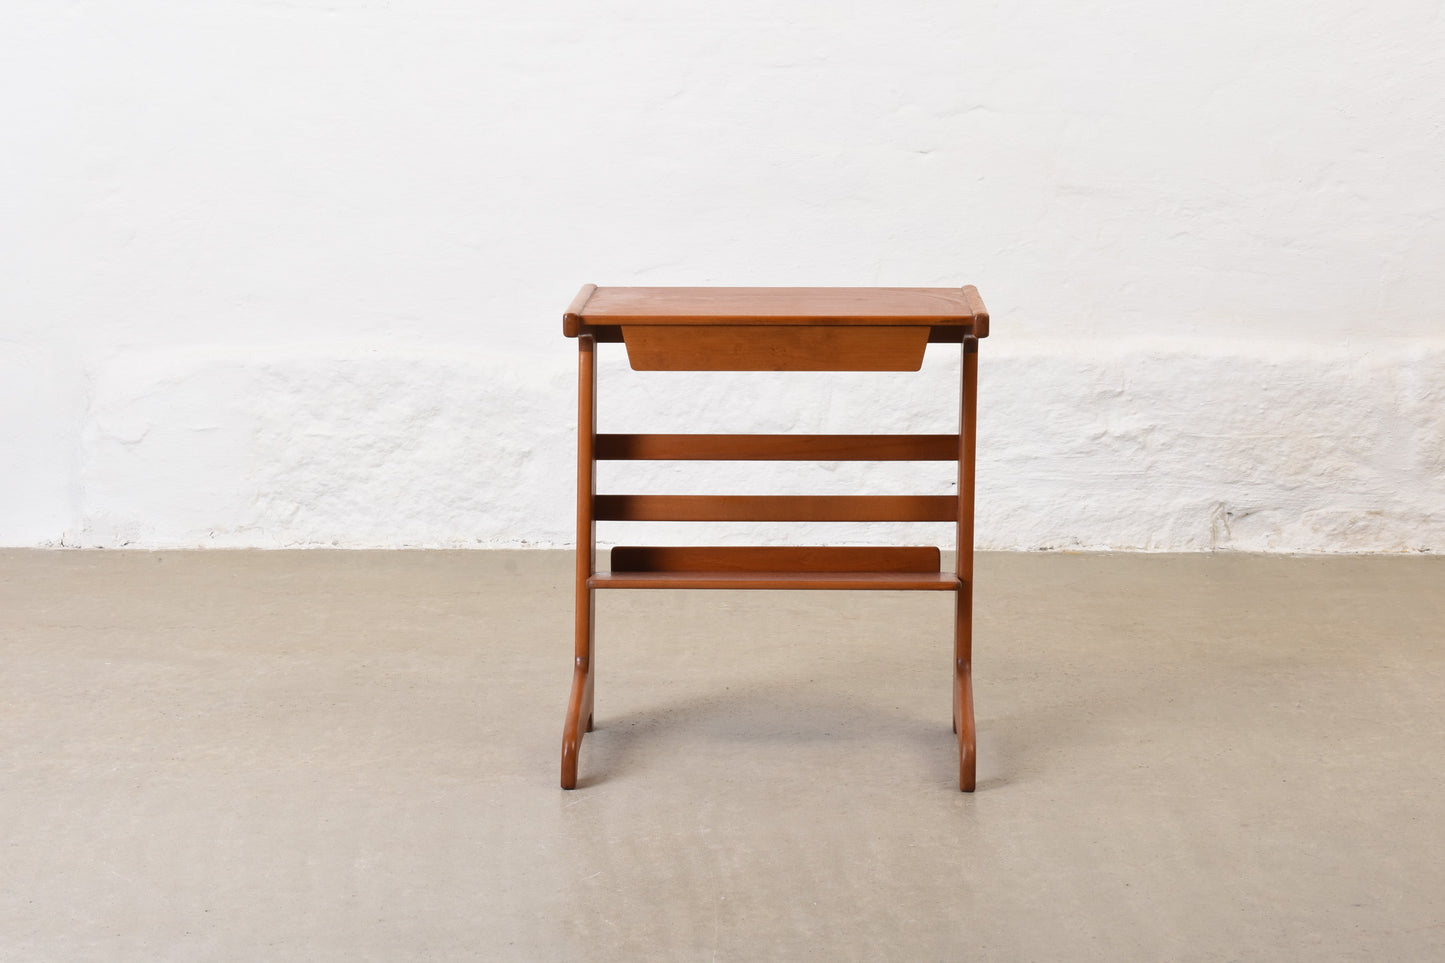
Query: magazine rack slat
x,y
774,329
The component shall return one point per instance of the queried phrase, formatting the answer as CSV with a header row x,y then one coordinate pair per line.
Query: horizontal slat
x,y
840,581
776,508
778,447
776,558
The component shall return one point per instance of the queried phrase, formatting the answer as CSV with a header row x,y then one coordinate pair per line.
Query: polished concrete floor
x,y
353,756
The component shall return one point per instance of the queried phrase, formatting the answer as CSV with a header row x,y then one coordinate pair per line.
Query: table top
x,y
609,307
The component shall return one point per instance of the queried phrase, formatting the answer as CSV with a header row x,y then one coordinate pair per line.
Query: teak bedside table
x,y
774,329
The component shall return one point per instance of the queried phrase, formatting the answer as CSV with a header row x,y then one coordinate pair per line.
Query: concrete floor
x,y
349,756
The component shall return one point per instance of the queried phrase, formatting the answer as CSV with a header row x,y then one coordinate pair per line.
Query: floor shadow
x,y
770,717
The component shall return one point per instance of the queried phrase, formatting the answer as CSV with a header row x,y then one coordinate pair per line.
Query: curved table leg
x,y
576,725
579,706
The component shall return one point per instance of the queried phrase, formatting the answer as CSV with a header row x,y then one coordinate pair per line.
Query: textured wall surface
x,y
1141,446
290,273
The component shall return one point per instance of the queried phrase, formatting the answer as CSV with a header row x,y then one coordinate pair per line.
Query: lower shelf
x,y
841,581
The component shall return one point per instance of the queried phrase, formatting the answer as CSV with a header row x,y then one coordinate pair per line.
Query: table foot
x,y
579,722
963,725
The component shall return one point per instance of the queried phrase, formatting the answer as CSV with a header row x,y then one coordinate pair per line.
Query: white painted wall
x,y
290,272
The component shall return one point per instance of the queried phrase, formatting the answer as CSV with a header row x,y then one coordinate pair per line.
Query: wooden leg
x,y
579,706
963,688
587,701
963,609
956,700
591,672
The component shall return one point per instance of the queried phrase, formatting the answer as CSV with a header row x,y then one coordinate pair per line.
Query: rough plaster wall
x,y
290,273
1143,446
